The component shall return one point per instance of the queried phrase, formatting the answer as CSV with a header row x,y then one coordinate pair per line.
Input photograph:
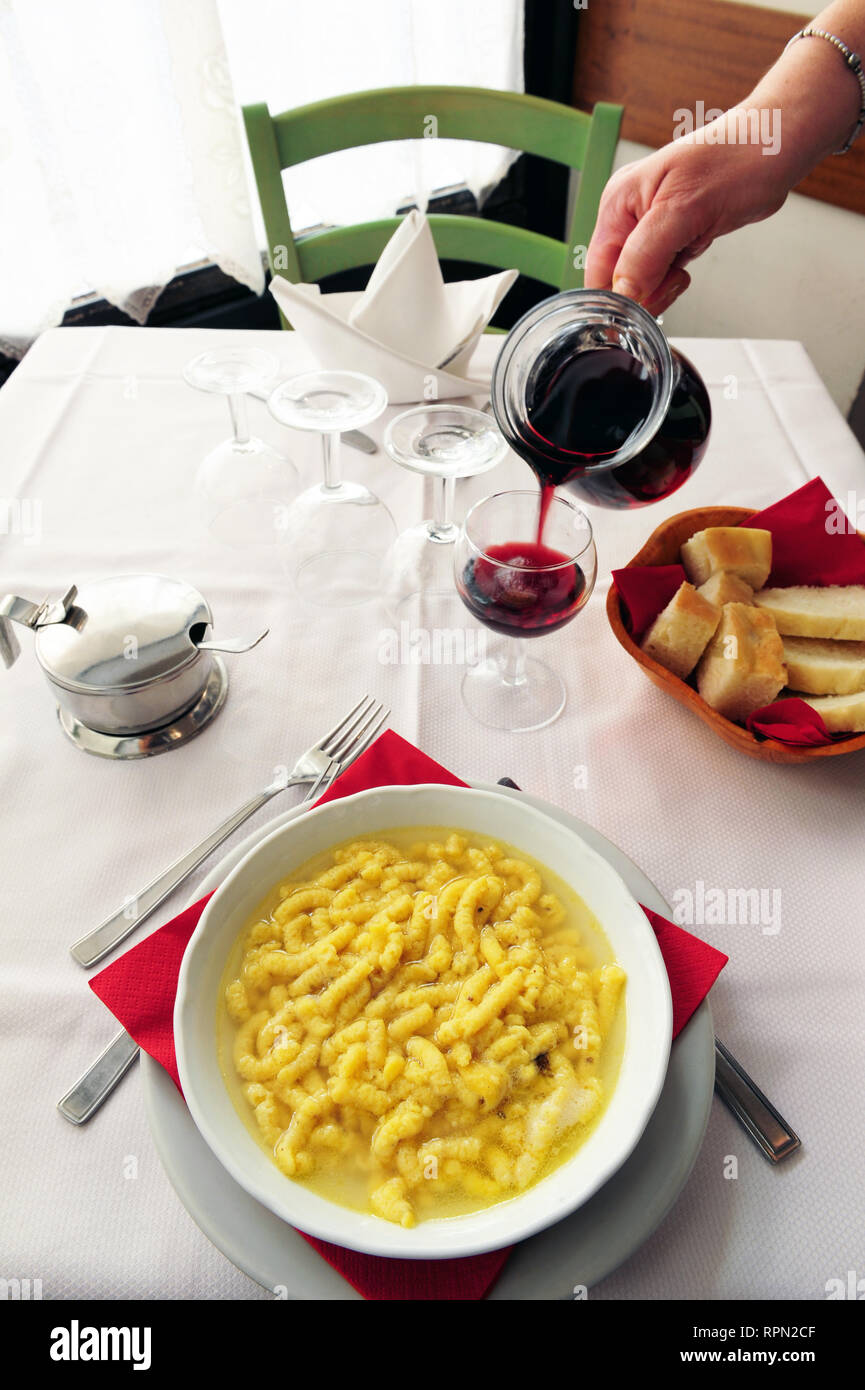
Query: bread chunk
x,y
819,666
842,714
741,550
743,668
680,634
721,588
807,610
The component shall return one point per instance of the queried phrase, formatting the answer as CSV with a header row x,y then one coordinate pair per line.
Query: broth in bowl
x,y
421,1024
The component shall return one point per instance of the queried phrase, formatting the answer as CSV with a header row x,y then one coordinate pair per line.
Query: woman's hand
x,y
661,212
657,214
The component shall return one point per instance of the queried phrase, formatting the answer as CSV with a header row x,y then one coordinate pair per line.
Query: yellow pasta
x,y
418,1025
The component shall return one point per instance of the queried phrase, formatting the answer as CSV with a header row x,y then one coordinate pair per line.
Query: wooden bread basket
x,y
662,548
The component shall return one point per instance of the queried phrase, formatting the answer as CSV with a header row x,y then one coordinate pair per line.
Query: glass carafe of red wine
x,y
587,390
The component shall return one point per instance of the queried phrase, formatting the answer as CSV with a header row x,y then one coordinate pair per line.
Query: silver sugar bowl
x,y
128,660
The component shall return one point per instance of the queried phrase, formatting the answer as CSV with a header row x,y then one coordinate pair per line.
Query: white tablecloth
x,y
98,430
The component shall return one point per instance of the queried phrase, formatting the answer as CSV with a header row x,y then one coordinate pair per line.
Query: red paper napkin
x,y
812,540
812,543
791,721
140,988
645,590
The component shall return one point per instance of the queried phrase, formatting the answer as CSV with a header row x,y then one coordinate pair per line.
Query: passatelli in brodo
x,y
419,1025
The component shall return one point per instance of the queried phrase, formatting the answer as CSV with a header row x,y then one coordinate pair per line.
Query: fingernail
x,y
625,287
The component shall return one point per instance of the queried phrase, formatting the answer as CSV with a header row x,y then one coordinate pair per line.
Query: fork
x,y
90,1090
344,743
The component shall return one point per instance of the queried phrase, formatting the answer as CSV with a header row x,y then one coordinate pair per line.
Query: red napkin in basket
x,y
812,543
645,590
140,987
791,721
812,540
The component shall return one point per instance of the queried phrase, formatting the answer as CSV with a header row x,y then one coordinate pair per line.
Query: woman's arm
x,y
661,212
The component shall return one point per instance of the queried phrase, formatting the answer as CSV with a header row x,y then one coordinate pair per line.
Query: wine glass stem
x,y
239,417
443,528
514,661
330,456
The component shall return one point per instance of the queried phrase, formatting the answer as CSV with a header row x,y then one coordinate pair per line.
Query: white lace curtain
x,y
325,48
122,154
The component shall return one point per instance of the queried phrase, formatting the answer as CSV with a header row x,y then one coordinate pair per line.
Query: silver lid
x,y
124,633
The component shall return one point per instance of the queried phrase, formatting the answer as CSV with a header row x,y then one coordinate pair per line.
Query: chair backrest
x,y
526,123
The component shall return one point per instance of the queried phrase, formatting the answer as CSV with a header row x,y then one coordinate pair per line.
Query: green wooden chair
x,y
525,123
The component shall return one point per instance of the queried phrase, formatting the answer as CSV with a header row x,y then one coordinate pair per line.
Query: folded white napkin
x,y
408,329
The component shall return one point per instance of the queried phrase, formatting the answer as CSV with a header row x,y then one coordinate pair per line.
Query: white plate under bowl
x,y
641,1072
581,1249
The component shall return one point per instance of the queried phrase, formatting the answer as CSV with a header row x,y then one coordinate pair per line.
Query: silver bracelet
x,y
854,63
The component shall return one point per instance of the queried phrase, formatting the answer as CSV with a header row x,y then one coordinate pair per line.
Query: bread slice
x,y
680,634
820,666
743,667
722,588
741,550
810,611
842,714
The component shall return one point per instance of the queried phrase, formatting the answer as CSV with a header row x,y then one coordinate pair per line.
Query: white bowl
x,y
647,1002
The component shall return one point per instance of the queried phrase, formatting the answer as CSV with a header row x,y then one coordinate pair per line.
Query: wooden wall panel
x,y
656,56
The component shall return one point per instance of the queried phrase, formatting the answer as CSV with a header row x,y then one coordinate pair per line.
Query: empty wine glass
x,y
243,485
519,587
442,442
337,533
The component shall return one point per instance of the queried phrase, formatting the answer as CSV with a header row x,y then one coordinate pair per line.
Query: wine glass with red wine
x,y
590,395
520,587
